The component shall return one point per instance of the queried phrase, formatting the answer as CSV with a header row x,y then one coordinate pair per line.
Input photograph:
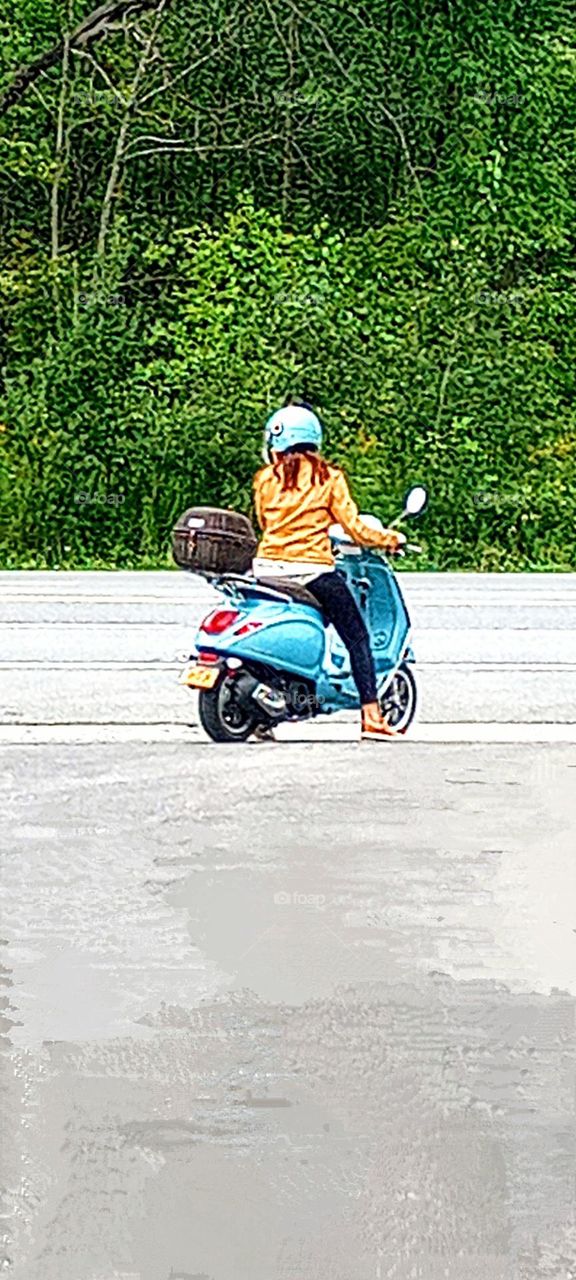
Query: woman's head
x,y
292,434
294,424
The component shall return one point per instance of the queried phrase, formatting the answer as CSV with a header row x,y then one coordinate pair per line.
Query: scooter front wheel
x,y
399,699
223,715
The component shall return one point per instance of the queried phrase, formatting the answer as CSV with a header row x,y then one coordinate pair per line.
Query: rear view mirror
x,y
415,501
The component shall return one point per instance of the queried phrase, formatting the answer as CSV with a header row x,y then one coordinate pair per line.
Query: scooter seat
x,y
293,589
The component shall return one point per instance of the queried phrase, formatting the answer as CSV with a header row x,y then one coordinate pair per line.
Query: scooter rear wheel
x,y
400,698
223,716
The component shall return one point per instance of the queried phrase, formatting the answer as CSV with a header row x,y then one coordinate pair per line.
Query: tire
x,y
399,700
222,717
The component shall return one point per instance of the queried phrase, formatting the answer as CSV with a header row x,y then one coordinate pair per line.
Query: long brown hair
x,y
287,466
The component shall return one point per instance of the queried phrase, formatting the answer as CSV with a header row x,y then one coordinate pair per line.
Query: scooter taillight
x,y
247,628
219,620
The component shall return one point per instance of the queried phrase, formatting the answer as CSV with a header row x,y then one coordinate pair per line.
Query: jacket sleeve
x,y
345,512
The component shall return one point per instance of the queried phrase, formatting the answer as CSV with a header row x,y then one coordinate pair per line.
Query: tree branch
x,y
227,34
55,193
201,149
101,71
123,131
392,119
96,24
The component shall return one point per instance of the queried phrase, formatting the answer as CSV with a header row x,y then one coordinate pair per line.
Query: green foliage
x,y
371,207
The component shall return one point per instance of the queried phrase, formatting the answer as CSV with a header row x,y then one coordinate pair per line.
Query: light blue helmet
x,y
294,424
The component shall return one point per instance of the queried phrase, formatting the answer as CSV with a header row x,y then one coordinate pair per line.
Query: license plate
x,y
200,677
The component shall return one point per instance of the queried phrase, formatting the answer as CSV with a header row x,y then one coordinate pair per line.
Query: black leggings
x,y
340,608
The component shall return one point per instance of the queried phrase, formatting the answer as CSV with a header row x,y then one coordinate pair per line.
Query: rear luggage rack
x,y
212,541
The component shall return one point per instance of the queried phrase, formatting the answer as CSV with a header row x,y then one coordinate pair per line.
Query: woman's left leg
x,y
341,610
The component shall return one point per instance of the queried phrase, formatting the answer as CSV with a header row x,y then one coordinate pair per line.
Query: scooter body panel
x,y
292,637
378,596
289,637
380,599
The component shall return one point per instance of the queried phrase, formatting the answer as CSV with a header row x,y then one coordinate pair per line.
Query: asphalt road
x,y
292,1011
101,649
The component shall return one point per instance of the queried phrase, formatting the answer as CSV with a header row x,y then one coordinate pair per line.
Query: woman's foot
x,y
378,731
374,725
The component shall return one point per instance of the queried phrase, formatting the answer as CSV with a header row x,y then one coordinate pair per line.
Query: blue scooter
x,y
268,655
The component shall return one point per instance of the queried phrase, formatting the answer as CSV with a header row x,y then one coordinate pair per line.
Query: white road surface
x,y
496,653
293,1011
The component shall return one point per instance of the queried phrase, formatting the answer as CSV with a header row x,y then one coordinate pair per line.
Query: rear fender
x,y
280,634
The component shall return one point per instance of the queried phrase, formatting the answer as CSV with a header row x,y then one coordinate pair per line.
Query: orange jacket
x,y
295,522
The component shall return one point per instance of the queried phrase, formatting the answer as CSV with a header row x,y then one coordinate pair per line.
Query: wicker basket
x,y
208,540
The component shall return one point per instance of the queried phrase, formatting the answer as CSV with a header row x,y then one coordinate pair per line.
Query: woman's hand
x,y
394,540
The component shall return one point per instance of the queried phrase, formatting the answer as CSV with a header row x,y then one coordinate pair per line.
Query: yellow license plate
x,y
200,677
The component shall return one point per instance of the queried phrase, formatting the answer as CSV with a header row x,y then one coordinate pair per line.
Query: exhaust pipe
x,y
270,700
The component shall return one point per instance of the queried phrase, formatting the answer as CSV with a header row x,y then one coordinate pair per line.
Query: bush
x,y
424,370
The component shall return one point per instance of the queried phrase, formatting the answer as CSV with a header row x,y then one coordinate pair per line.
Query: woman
x,y
297,497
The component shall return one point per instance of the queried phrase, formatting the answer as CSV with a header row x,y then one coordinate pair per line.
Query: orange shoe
x,y
377,730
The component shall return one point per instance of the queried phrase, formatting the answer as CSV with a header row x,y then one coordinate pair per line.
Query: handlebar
x,y
355,549
406,546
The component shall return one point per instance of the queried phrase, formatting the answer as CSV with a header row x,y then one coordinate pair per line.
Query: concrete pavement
x,y
293,1013
301,1011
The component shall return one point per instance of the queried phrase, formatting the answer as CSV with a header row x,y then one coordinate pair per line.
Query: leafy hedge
x,y
428,308
423,371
